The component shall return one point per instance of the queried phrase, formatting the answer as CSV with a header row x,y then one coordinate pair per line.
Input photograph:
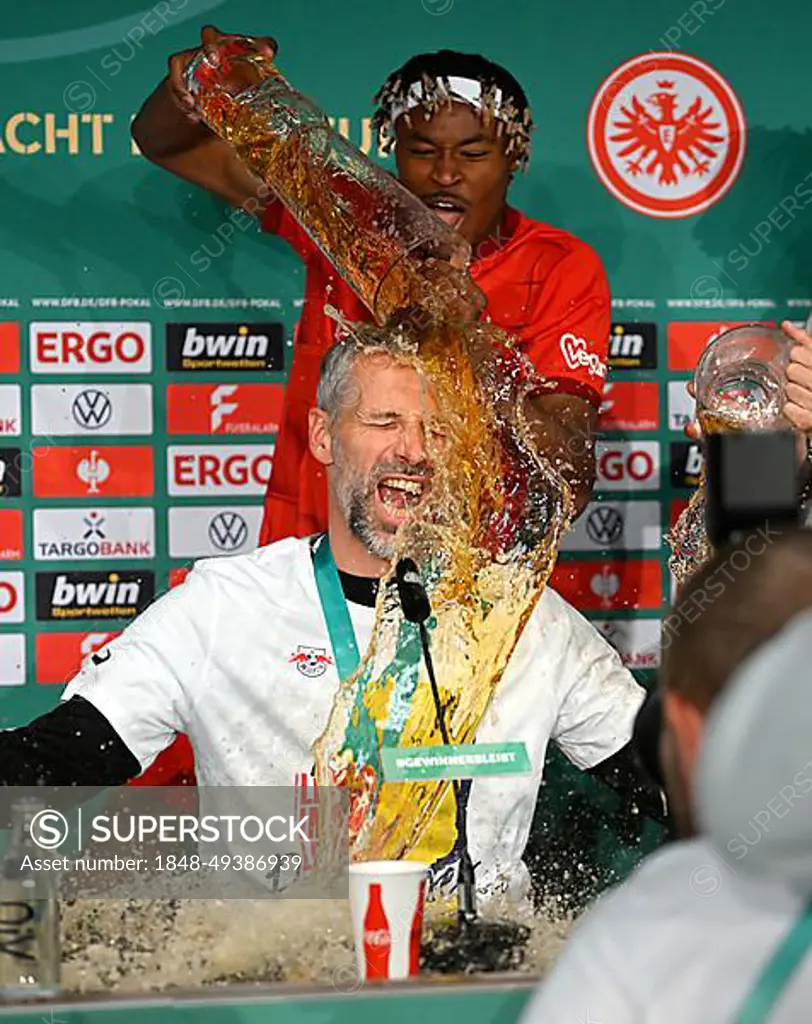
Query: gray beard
x,y
354,500
357,514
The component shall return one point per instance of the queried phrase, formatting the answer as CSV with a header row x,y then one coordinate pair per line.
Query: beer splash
x,y
688,538
486,536
384,242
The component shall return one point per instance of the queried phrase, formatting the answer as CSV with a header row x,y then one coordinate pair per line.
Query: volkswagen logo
x,y
228,531
604,525
92,409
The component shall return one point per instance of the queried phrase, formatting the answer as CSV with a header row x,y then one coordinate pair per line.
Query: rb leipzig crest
x,y
311,661
666,135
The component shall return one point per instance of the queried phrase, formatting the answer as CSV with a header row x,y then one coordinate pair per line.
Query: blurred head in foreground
x,y
728,609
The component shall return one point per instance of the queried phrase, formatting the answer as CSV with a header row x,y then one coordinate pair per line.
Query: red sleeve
x,y
569,337
277,220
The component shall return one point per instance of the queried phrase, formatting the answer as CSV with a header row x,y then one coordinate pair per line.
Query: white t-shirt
x,y
683,941
238,657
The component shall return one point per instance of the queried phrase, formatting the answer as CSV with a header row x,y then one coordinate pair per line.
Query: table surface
x,y
491,1001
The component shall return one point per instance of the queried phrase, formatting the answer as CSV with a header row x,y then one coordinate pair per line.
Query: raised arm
x,y
170,134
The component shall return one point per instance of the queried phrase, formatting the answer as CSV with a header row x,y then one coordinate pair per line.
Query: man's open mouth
x,y
400,495
449,209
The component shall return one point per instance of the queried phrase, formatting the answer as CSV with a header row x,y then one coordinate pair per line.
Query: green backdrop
x,y
99,222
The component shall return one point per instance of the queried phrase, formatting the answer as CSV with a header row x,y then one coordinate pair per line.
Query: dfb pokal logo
x,y
666,135
311,661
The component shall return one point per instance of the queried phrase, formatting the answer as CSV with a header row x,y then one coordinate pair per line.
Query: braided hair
x,y
426,77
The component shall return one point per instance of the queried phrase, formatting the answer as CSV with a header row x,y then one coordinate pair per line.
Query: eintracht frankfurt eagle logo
x,y
667,135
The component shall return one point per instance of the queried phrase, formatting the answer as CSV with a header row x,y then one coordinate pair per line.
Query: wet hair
x,y
432,71
337,389
737,601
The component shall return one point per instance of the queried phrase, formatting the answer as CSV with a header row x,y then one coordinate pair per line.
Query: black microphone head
x,y
413,597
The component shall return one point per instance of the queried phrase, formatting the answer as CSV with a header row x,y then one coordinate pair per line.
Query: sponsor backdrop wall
x,y
146,329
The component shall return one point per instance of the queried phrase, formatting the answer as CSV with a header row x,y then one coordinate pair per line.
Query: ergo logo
x,y
72,347
628,466
226,469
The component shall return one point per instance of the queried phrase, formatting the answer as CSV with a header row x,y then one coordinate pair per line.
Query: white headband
x,y
466,90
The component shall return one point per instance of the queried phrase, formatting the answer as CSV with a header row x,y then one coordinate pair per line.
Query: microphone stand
x,y
466,883
475,945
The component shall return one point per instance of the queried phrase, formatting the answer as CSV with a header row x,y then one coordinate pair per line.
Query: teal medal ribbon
x,y
779,971
334,608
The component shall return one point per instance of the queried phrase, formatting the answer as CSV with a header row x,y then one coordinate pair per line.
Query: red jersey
x,y
542,285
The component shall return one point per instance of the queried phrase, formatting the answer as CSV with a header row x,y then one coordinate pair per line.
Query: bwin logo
x,y
228,531
92,409
604,525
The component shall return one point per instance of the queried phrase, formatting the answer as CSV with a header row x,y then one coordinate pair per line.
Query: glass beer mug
x,y
740,380
391,249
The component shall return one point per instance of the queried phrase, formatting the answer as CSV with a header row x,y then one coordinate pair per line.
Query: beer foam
x,y
141,946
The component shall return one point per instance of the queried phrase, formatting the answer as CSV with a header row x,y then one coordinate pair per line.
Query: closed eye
x,y
383,423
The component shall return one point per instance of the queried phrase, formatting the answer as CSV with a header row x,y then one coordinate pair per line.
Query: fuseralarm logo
x,y
636,640
72,534
59,410
60,655
90,347
630,406
12,597
12,659
224,408
687,340
11,534
211,531
91,595
105,471
628,465
595,586
681,407
616,525
224,469
10,414
9,347
666,134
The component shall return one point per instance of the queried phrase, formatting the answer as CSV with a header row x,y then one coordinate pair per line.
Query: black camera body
x,y
750,480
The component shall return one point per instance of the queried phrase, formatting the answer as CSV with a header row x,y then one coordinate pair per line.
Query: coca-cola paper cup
x,y
386,902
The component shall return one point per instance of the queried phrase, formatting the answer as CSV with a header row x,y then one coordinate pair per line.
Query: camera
x,y
751,480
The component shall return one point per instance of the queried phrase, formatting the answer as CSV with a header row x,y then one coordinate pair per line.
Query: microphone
x,y
417,609
413,597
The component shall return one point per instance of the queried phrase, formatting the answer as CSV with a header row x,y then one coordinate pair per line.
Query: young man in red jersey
x,y
460,127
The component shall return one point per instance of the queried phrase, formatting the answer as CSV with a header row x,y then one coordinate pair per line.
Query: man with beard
x,y
689,936
239,657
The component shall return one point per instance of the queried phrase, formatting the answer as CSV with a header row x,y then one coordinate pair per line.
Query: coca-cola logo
x,y
378,937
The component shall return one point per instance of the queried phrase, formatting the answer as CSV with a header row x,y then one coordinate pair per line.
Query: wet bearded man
x,y
213,658
373,441
460,127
